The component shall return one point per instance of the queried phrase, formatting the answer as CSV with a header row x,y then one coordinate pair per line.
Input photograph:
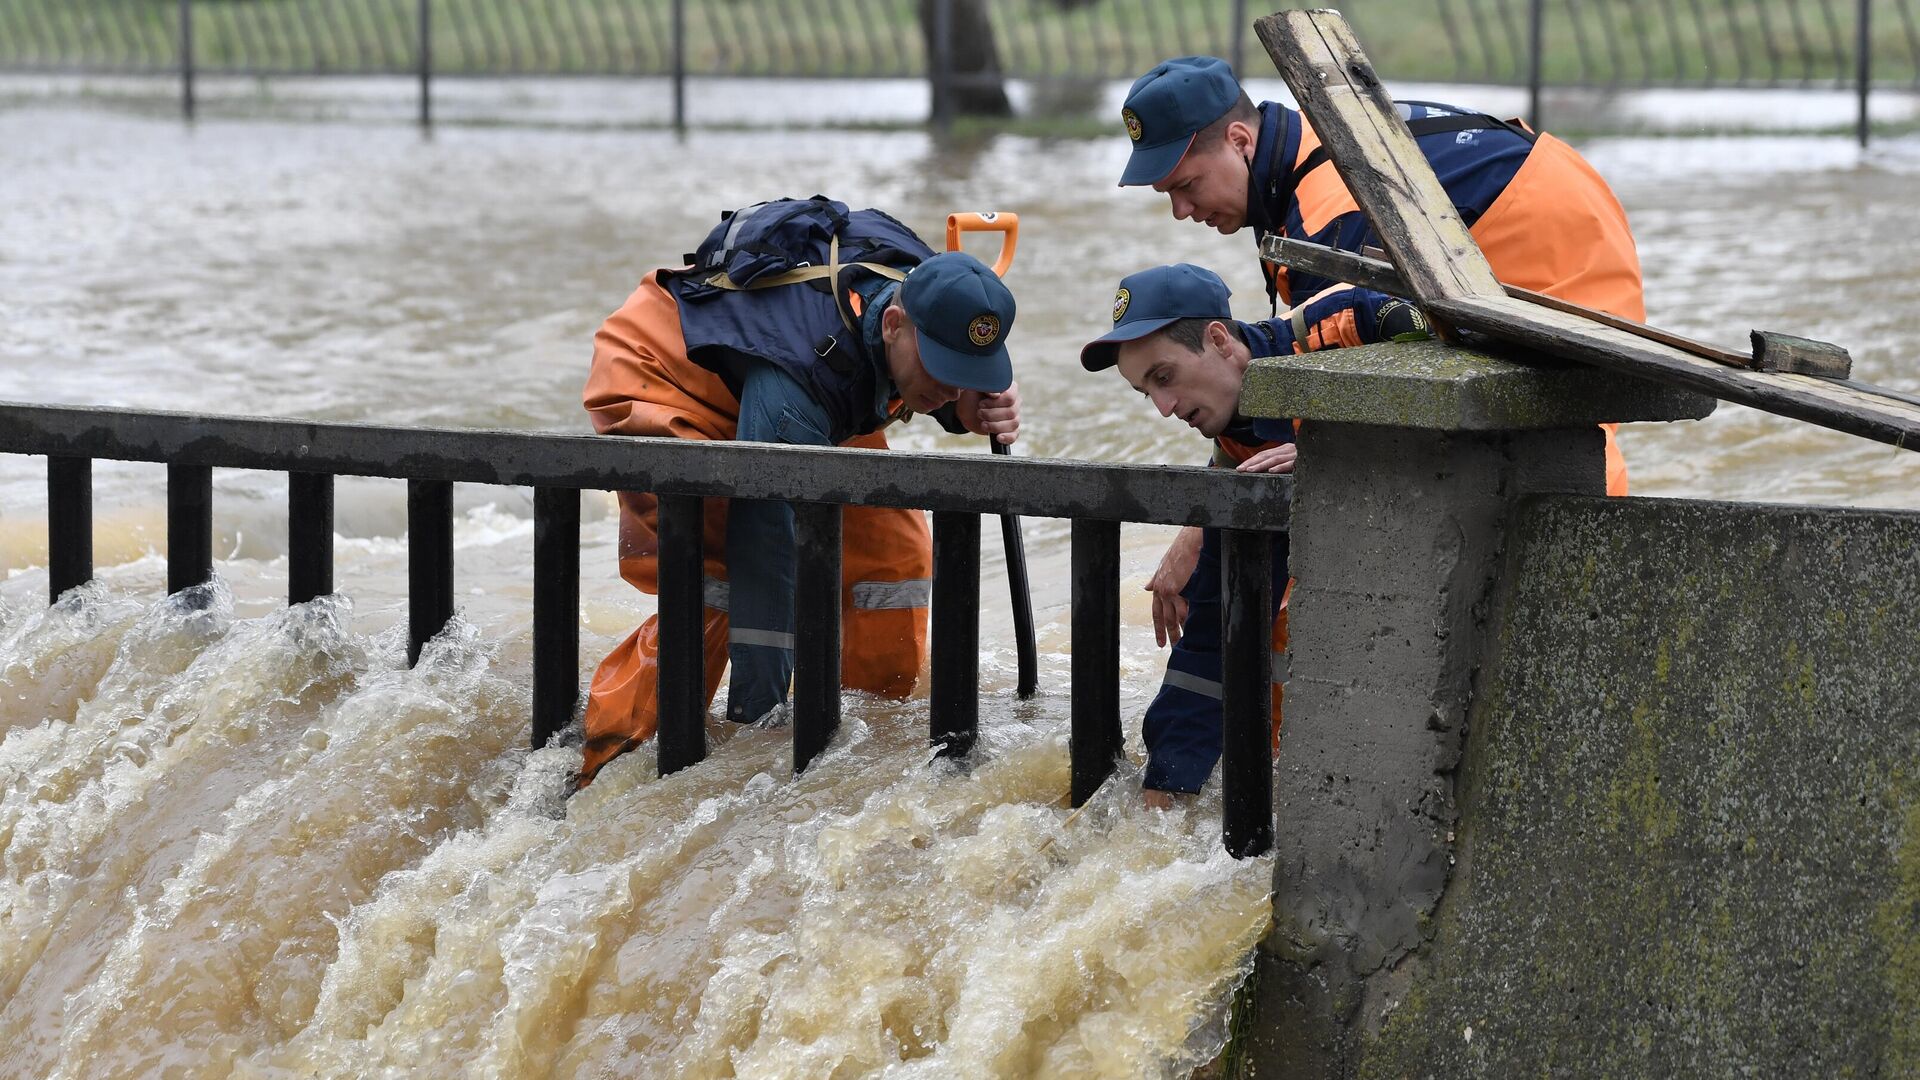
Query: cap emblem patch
x,y
1120,301
1133,124
984,330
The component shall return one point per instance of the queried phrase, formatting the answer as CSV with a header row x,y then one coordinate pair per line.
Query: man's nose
x,y
1164,402
1182,208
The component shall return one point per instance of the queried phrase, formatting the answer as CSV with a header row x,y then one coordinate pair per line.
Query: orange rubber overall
x,y
642,383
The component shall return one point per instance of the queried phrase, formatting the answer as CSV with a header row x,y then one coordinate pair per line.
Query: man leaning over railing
x,y
1545,219
799,322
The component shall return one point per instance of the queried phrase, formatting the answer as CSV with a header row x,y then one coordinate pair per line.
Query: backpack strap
x,y
1426,125
802,274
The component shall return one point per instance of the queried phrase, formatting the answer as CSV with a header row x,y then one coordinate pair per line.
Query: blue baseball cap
x,y
1167,107
1151,299
962,312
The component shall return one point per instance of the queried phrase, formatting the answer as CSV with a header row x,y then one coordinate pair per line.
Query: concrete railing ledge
x,y
1439,387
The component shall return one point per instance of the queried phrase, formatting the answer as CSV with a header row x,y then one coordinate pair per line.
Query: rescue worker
x,y
799,322
1542,215
1175,340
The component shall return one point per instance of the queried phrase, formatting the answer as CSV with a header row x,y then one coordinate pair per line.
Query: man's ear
x,y
1241,138
890,320
1219,336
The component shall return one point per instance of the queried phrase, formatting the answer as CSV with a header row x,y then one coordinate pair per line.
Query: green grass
x,y
1597,41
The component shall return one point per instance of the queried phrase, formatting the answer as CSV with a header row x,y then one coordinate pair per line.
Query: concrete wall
x,y
1578,786
1689,810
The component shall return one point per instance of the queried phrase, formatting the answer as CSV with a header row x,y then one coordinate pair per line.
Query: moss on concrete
x,y
1690,831
1431,385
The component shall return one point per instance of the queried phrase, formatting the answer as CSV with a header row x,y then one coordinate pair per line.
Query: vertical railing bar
x,y
942,64
683,678
1711,73
429,562
189,526
1836,41
1913,39
816,615
186,59
1739,48
1246,673
1673,41
1512,35
309,536
1801,42
1536,45
424,57
1644,46
69,524
1863,66
1453,39
680,65
1239,38
556,610
954,686
1096,740
1610,33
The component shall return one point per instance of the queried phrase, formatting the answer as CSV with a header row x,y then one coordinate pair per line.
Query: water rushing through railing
x,y
265,846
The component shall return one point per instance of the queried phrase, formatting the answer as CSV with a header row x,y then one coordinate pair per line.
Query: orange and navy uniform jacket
x,y
1544,218
643,381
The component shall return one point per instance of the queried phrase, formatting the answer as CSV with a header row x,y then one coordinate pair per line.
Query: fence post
x,y
429,562
69,524
186,58
1863,66
1238,38
1095,724
955,678
1536,45
1246,692
816,606
309,536
556,610
942,64
680,65
682,733
426,63
189,526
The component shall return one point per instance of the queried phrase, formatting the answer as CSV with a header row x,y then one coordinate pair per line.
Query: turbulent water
x,y
241,839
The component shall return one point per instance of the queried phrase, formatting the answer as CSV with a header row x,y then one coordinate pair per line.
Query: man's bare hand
x,y
1156,799
997,415
1275,459
1176,568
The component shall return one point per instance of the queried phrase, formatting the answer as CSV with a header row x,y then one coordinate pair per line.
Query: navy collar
x,y
876,293
1269,181
1260,339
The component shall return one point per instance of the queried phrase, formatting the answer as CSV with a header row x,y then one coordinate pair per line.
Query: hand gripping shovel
x,y
1008,226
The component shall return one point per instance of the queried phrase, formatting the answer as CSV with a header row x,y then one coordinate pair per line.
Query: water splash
x,y
263,848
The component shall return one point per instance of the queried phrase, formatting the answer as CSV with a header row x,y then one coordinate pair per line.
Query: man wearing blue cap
x,y
801,322
1543,216
1175,340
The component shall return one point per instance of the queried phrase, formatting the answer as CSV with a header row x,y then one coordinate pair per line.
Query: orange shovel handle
x,y
1006,224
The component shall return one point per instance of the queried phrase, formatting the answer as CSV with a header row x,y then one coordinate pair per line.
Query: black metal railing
x,y
958,488
1589,43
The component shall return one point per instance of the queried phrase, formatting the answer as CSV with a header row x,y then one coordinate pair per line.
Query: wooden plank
x,y
1381,276
1375,154
1803,397
1784,352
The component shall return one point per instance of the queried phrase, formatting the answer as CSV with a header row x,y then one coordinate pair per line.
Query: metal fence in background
x,y
1586,43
